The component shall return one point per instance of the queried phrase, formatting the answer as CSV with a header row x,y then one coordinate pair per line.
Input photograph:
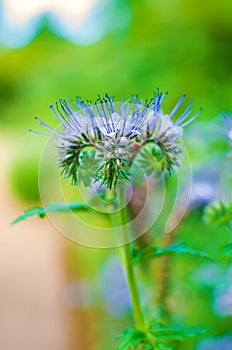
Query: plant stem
x,y
128,264
135,297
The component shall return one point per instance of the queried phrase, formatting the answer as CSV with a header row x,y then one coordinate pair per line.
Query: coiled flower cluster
x,y
101,139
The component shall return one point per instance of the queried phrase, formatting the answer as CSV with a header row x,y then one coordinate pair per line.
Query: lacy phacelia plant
x,y
101,139
101,142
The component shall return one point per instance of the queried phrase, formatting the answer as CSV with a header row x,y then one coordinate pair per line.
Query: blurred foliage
x,y
219,213
178,46
23,176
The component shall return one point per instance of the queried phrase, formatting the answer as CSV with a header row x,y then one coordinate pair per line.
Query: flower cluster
x,y
101,139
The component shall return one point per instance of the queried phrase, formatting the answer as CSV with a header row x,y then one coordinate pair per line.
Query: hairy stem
x,y
127,262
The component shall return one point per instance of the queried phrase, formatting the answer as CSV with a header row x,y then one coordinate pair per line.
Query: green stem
x,y
135,297
128,264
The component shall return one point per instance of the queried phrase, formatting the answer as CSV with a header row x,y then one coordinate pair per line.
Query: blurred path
x,y
32,316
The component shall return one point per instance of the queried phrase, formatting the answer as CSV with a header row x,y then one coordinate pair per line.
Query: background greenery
x,y
179,46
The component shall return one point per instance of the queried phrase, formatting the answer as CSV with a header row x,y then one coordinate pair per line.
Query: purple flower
x,y
113,133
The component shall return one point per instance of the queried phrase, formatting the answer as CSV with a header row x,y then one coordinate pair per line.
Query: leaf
x,y
51,208
156,336
132,338
173,333
177,248
219,213
180,248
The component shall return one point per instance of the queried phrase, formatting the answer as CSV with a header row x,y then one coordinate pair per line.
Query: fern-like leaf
x,y
51,208
176,249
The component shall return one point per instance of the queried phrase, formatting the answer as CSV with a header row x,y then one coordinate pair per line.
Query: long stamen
x,y
62,120
185,114
109,111
105,123
42,134
111,101
123,105
72,119
48,127
63,117
158,100
104,112
191,119
177,106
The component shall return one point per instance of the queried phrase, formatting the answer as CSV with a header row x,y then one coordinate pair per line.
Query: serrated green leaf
x,y
177,248
219,213
51,208
180,248
173,333
132,339
161,336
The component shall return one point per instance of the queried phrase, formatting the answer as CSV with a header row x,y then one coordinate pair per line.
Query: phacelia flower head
x,y
101,139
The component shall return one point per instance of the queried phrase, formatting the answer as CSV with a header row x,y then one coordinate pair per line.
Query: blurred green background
x,y
178,46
